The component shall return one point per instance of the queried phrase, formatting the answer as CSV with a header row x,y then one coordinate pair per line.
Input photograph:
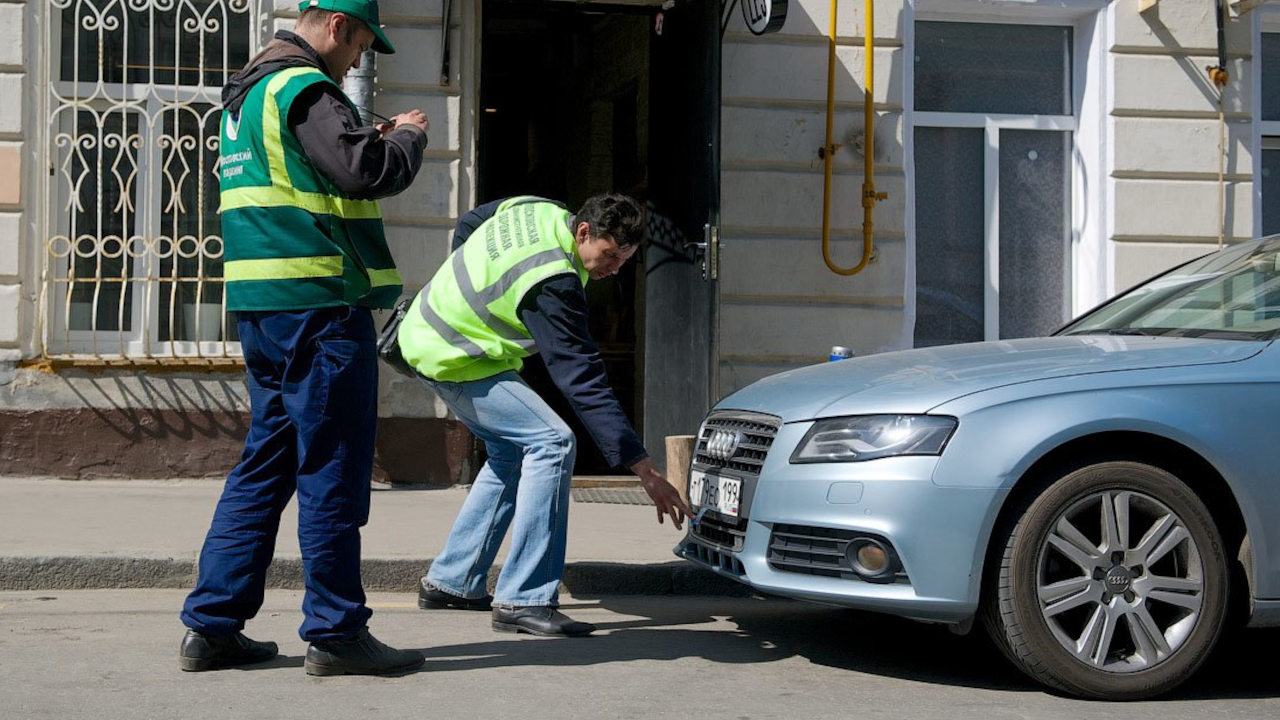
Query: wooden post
x,y
679,457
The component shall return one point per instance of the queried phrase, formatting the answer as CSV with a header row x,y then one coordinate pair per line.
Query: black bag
x,y
389,340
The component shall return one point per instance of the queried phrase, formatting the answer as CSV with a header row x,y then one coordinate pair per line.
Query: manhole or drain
x,y
614,496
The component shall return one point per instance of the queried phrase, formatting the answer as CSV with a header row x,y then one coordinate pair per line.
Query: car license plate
x,y
716,492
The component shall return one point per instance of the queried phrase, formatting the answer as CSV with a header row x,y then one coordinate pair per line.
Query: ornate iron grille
x,y
131,237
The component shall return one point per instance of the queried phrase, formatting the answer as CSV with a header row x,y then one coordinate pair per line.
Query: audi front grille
x,y
733,444
757,432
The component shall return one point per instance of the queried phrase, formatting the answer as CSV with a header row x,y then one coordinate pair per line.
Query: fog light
x,y
871,559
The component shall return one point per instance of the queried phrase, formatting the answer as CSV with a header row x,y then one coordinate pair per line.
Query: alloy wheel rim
x,y
1120,581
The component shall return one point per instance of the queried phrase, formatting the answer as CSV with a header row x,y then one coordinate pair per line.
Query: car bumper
x,y
938,533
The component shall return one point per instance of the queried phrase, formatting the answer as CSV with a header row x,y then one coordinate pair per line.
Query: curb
x,y
581,579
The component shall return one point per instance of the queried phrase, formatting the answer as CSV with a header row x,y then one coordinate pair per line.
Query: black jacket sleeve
x,y
359,160
555,311
468,223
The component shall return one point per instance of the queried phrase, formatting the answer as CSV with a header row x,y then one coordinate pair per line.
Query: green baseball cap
x,y
366,11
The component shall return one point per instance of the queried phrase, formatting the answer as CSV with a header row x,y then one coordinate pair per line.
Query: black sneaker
x,y
539,620
431,597
210,652
361,655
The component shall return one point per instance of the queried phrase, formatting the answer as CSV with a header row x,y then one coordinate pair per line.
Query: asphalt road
x,y
111,654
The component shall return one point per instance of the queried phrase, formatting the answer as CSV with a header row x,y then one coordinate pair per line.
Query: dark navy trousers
x,y
313,387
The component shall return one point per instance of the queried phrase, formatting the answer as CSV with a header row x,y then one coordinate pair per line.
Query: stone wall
x,y
1165,135
780,307
15,305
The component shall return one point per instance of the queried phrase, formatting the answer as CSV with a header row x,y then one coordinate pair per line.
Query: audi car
x,y
1104,501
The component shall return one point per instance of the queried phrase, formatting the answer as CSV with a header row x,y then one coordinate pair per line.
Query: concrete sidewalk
x,y
63,534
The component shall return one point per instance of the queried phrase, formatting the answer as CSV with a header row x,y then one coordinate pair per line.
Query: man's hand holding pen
x,y
413,117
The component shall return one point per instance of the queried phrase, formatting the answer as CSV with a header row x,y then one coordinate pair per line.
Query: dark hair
x,y
317,17
616,216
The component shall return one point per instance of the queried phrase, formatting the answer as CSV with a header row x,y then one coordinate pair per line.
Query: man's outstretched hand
x,y
661,492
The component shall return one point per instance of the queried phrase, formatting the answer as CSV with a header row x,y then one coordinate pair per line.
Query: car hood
x,y
913,381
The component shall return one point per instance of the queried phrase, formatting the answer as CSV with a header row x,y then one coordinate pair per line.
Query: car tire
x,y
1111,584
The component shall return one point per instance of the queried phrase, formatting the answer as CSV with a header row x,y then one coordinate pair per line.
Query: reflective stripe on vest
x,y
466,324
268,269
478,300
383,278
335,244
282,192
241,197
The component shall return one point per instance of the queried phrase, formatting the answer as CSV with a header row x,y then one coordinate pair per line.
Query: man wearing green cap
x,y
306,259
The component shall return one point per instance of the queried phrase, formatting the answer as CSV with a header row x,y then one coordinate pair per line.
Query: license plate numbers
x,y
715,492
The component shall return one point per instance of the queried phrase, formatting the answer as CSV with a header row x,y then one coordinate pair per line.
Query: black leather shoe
x,y
433,598
210,652
539,620
361,655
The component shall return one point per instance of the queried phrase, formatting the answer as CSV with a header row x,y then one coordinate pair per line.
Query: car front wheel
x,y
1112,584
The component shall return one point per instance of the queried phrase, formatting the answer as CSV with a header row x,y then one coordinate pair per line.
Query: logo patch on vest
x,y
233,164
233,126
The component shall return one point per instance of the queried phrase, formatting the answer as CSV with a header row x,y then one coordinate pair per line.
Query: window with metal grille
x,y
131,237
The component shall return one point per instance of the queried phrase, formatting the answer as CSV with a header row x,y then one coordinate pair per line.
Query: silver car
x,y
1105,501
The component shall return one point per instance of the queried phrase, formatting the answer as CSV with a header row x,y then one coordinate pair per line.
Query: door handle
x,y
709,249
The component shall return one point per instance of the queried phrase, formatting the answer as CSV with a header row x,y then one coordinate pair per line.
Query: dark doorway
x,y
567,108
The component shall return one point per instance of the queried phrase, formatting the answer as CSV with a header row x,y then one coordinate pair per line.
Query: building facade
x,y
1035,157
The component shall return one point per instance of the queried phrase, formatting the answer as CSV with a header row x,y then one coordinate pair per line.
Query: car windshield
x,y
1233,294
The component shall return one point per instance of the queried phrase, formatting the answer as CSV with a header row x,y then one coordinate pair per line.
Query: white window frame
x,y
141,341
1089,266
1266,133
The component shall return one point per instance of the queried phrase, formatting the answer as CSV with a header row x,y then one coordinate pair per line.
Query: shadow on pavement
x,y
767,631
770,630
298,661
1242,666
279,661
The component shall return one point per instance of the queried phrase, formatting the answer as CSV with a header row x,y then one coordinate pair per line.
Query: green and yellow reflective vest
x,y
464,324
292,240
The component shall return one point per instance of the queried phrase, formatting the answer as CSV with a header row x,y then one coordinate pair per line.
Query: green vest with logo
x,y
464,324
292,240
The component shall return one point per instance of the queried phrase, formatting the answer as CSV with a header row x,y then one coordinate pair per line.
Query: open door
x,y
684,193
582,97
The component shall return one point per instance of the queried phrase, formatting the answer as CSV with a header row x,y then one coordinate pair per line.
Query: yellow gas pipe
x,y
869,194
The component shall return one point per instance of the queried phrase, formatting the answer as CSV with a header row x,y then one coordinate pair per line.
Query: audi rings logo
x,y
723,444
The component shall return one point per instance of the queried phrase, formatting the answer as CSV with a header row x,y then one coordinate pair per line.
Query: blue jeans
x,y
313,387
524,485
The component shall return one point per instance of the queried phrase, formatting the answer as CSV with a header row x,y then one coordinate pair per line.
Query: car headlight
x,y
867,437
